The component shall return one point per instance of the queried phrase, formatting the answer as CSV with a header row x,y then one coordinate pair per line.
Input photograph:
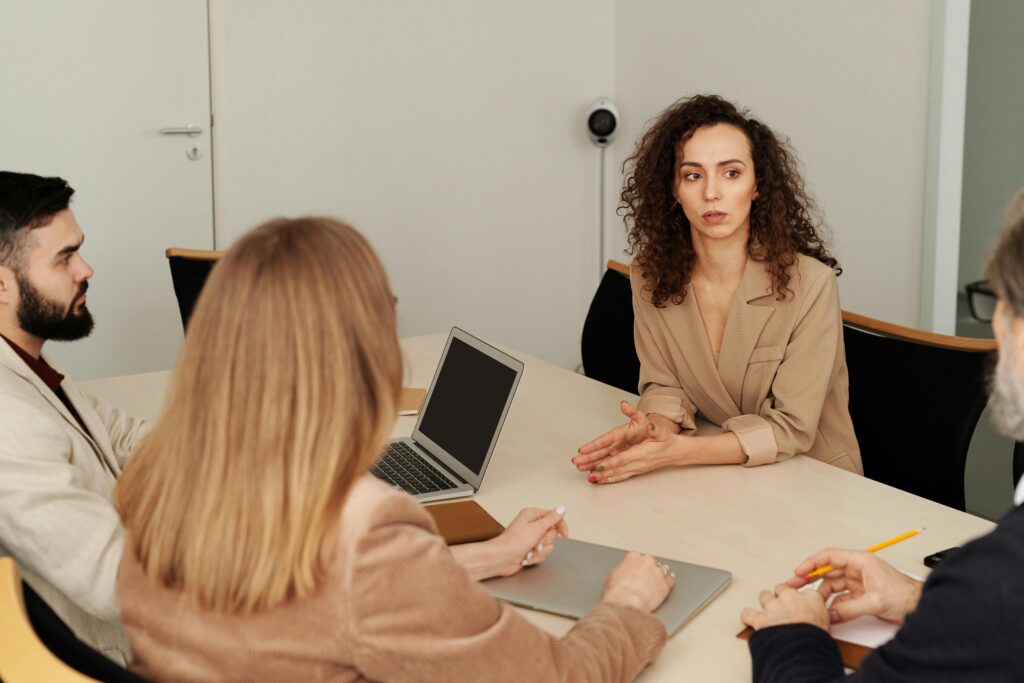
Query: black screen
x,y
464,409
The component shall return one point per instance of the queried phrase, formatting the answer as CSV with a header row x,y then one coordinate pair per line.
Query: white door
x,y
85,89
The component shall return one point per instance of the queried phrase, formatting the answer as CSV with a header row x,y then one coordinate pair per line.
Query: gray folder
x,y
571,581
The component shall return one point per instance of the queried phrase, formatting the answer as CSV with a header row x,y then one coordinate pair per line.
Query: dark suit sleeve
x,y
969,624
795,653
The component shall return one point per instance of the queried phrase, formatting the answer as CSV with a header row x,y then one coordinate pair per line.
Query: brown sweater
x,y
393,606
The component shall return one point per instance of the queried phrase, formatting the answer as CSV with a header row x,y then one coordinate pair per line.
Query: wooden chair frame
x,y
23,656
882,328
198,254
942,341
618,267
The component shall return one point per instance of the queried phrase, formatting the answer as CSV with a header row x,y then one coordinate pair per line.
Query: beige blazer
x,y
780,384
394,605
56,518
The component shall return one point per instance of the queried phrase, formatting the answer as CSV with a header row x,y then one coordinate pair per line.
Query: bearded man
x,y
60,450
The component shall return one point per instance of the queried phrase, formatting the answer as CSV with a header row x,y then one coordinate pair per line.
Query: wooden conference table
x,y
758,523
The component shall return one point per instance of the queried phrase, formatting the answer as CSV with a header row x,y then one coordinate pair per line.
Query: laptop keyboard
x,y
404,467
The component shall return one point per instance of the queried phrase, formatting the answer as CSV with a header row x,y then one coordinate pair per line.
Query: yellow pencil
x,y
820,571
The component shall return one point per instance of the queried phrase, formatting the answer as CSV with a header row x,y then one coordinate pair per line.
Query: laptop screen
x,y
467,403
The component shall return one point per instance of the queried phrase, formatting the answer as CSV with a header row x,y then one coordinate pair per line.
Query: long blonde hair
x,y
283,393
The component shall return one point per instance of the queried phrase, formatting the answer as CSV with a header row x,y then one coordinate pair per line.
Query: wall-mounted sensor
x,y
602,122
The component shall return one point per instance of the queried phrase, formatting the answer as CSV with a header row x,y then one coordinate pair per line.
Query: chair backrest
x,y
35,645
607,346
189,270
915,399
23,656
1018,462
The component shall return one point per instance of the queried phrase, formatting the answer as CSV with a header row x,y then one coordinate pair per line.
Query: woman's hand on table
x,y
639,581
528,540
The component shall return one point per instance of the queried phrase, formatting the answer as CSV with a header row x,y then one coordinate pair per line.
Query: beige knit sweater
x,y
393,606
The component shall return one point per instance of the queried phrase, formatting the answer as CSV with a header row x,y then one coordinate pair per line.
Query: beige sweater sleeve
x,y
416,615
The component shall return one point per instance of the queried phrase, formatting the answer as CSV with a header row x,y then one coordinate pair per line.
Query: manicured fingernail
x,y
600,468
524,563
540,547
592,478
560,511
529,554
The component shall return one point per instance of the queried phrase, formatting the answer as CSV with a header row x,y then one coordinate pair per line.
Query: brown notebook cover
x,y
464,522
410,400
852,654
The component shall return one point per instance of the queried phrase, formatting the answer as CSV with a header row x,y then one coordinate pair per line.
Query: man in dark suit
x,y
966,622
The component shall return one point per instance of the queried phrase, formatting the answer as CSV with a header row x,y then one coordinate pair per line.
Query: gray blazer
x,y
56,517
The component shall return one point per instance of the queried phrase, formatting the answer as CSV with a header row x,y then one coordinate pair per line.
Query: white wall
x,y
84,98
450,133
994,130
846,80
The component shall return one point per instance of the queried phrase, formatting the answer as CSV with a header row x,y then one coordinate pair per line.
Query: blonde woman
x,y
258,547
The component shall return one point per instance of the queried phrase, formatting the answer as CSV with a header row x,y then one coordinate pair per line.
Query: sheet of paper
x,y
867,631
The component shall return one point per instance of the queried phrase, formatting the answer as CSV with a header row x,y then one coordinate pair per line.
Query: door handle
x,y
190,130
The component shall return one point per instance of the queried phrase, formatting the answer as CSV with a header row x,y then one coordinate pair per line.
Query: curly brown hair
x,y
784,220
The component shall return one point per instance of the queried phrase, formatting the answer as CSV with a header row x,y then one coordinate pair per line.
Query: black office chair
x,y
38,646
1018,461
915,399
189,270
607,346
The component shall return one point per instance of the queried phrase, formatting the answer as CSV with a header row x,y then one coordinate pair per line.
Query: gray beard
x,y
1006,401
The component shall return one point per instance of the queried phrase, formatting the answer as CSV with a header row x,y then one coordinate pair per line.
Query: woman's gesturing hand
x,y
634,448
634,432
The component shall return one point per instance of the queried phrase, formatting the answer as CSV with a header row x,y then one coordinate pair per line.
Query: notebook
x,y
458,424
571,581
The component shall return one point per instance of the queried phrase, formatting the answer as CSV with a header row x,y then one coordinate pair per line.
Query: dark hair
x,y
783,220
1005,268
27,202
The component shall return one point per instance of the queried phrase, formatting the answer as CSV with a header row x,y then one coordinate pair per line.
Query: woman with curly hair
x,y
736,305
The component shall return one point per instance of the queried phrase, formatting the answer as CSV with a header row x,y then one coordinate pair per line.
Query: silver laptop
x,y
571,581
458,425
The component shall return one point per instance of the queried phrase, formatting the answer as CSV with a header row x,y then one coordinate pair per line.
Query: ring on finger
x,y
609,479
664,568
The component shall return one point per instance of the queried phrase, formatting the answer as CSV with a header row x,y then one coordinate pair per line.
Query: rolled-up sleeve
x,y
786,422
757,439
659,388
